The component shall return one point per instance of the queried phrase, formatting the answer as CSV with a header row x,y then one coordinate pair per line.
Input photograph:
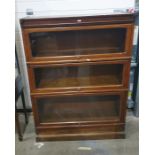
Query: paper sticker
x,y
135,38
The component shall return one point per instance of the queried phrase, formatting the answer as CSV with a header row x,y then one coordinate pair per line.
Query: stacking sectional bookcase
x,y
78,70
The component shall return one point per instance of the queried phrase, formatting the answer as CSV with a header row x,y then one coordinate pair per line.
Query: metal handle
x,y
79,20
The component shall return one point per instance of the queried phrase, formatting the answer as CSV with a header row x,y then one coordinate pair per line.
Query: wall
x,y
59,8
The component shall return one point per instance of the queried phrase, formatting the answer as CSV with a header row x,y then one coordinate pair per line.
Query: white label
x,y
135,38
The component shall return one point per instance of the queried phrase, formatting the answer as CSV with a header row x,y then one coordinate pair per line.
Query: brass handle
x,y
79,20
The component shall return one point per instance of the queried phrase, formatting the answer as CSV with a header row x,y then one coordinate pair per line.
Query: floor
x,y
128,146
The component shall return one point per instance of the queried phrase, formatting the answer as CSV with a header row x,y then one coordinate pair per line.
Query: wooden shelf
x,y
69,52
82,81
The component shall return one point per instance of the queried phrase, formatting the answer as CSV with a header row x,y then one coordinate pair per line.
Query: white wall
x,y
60,8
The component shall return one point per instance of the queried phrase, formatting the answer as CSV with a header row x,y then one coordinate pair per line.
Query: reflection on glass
x,y
78,108
78,76
79,42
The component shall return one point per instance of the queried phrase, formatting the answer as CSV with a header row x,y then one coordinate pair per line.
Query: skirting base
x,y
86,136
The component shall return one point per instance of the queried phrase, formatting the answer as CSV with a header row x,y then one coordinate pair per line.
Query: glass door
x,y
67,43
81,108
78,76
78,43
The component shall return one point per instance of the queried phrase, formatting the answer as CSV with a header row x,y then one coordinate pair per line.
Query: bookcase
x,y
78,70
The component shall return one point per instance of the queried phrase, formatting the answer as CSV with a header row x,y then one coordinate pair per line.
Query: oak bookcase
x,y
78,70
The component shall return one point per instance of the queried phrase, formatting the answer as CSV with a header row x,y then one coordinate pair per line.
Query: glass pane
x,y
78,108
78,76
79,42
